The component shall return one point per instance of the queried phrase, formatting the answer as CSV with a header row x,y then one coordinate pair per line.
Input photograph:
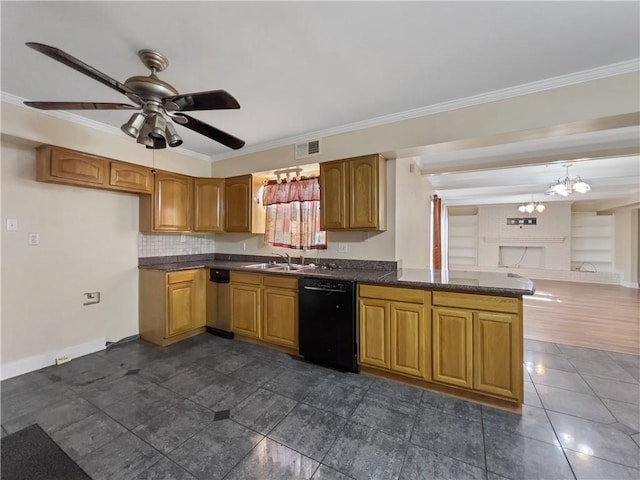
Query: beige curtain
x,y
293,215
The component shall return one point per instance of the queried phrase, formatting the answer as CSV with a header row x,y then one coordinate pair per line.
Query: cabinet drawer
x,y
182,276
409,295
250,278
476,302
280,282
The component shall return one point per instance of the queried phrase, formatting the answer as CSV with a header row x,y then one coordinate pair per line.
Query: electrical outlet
x,y
91,297
343,248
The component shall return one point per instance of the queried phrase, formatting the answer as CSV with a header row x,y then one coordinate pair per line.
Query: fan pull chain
x,y
153,160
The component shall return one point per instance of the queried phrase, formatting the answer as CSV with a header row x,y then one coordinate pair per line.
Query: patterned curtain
x,y
293,215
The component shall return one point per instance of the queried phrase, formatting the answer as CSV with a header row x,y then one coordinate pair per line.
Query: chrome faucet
x,y
286,256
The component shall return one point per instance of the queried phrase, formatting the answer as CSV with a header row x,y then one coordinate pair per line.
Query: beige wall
x,y
413,215
626,245
585,101
88,243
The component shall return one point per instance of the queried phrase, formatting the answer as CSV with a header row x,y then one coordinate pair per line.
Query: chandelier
x,y
532,207
565,186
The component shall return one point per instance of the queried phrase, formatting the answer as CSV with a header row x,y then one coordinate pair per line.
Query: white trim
x,y
620,68
87,122
624,283
29,364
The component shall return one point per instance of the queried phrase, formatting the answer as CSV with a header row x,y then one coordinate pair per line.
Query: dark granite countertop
x,y
488,283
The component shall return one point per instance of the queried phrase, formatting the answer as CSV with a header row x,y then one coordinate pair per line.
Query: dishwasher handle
x,y
324,289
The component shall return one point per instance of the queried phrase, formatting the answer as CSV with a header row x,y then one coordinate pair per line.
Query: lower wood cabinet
x,y
452,349
475,347
470,342
265,307
171,304
496,357
394,329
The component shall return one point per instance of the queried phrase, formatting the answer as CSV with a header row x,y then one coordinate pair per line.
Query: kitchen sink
x,y
264,266
278,267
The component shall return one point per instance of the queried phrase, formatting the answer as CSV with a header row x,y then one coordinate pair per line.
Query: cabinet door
x,y
452,346
172,202
185,301
280,316
374,333
209,205
363,192
333,195
408,339
238,204
245,310
78,168
495,355
133,178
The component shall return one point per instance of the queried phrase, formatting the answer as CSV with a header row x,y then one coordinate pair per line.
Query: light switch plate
x,y
12,225
34,239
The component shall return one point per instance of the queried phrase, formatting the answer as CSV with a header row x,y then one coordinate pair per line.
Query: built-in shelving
x,y
463,240
592,240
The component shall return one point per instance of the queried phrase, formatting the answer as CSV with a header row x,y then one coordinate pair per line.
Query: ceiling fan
x,y
158,101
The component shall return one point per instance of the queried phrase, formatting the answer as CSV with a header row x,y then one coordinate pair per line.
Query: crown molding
x,y
611,70
87,122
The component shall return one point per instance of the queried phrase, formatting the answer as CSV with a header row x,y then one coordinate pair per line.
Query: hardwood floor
x,y
605,317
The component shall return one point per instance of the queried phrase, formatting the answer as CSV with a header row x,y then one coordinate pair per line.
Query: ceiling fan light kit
x,y
159,102
565,186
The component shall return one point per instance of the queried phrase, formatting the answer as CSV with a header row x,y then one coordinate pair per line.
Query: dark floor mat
x,y
30,454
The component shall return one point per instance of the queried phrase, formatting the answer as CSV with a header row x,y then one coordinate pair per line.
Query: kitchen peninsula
x,y
455,332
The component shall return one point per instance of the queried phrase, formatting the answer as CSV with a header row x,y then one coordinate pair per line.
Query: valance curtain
x,y
293,215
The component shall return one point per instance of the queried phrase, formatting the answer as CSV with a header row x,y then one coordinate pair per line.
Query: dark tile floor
x,y
210,408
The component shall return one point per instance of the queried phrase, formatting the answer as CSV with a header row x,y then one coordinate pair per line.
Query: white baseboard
x,y
629,284
29,364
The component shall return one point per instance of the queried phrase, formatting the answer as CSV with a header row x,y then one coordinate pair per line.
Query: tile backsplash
x,y
165,244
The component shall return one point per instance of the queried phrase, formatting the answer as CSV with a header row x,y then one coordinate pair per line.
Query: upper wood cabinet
x,y
59,165
133,178
238,204
209,201
170,208
353,194
68,167
333,195
243,212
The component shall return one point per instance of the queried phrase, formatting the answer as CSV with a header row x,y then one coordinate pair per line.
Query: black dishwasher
x,y
327,322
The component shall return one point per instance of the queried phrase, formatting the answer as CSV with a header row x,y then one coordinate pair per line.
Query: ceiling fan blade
x,y
212,100
81,67
213,133
80,106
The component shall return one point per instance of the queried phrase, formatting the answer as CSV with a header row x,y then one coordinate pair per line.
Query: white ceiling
x,y
301,67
